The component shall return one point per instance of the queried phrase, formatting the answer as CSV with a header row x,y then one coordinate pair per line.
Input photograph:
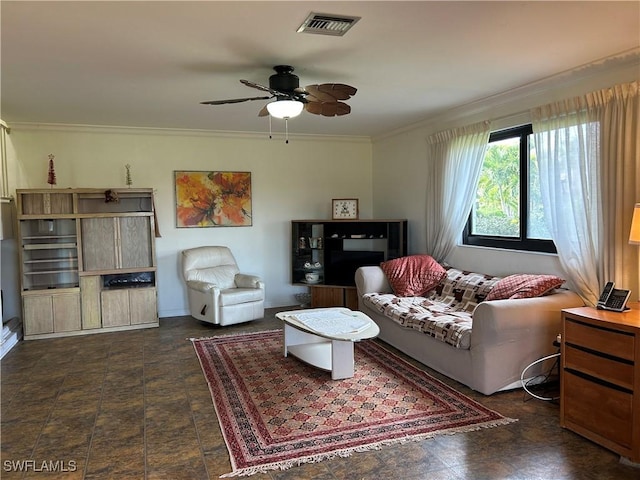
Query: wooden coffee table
x,y
324,337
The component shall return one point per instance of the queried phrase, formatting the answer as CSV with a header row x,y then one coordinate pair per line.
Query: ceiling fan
x,y
320,99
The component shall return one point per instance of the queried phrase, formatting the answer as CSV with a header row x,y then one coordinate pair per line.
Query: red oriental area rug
x,y
276,412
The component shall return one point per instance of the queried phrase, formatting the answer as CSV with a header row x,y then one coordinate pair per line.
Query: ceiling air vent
x,y
326,24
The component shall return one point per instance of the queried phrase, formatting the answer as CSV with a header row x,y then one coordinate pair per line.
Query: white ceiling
x,y
149,64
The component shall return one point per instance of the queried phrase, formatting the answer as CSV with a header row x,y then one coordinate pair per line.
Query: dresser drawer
x,y
610,370
616,343
605,411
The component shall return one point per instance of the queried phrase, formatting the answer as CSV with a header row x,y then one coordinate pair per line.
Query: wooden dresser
x,y
600,379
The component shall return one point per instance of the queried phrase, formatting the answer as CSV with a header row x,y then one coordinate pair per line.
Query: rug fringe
x,y
236,334
347,452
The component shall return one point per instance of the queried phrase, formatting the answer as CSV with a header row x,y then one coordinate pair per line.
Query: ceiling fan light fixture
x,y
285,108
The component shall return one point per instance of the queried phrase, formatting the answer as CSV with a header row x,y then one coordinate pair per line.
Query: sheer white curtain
x,y
587,149
454,163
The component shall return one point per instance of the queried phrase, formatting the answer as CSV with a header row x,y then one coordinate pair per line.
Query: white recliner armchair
x,y
218,292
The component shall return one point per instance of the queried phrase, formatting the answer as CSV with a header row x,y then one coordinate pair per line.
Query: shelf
x,y
57,270
113,271
49,246
52,260
49,237
62,286
129,286
129,202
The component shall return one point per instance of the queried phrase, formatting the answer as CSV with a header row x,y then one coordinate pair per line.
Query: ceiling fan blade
x,y
328,109
260,87
330,92
233,100
263,112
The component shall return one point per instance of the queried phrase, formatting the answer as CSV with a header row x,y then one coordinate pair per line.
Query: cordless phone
x,y
613,298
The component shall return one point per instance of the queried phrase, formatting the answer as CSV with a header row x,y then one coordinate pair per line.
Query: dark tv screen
x,y
342,265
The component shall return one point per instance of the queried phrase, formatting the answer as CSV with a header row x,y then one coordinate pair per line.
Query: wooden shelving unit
x,y
87,261
334,249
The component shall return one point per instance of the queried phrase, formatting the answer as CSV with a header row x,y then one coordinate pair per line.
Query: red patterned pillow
x,y
414,275
524,286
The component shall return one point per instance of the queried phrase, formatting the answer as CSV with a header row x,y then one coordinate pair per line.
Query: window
x,y
508,212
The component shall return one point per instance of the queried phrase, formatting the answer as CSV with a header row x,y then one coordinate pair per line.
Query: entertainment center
x,y
326,253
87,260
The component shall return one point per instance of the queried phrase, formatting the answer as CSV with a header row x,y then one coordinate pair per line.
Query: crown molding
x,y
119,130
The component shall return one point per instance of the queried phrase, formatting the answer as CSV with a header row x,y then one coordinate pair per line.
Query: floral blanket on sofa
x,y
445,313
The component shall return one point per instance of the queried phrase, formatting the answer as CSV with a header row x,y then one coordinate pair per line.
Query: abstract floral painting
x,y
213,199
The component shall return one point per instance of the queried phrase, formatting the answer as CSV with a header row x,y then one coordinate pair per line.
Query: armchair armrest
x,y
201,286
243,280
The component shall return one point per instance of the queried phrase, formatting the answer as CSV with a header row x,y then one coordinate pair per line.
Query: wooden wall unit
x,y
87,264
600,376
333,249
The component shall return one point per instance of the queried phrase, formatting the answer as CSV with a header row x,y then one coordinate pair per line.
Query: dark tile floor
x,y
135,405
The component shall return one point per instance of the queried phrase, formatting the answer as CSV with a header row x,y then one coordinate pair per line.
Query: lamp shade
x,y
285,108
634,236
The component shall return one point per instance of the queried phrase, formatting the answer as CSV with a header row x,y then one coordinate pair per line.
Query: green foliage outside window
x,y
496,211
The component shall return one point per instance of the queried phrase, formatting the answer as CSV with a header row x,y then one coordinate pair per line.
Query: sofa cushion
x,y
463,290
413,275
433,319
524,286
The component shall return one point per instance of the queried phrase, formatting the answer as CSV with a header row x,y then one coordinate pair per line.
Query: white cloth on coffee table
x,y
332,322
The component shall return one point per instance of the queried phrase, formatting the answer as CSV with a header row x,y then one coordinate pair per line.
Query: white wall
x,y
294,181
399,160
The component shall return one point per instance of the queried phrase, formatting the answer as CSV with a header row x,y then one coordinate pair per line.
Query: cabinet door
x,y
38,314
135,242
66,312
51,313
327,297
99,244
90,291
46,203
142,305
115,308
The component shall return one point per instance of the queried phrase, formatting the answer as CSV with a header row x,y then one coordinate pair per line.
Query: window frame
x,y
522,242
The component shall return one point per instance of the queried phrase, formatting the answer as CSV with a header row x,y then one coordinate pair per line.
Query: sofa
x,y
459,329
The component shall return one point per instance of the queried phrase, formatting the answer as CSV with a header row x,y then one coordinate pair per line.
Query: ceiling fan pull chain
x,y
286,129
270,137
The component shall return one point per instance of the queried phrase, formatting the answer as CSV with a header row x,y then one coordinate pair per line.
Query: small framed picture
x,y
344,208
